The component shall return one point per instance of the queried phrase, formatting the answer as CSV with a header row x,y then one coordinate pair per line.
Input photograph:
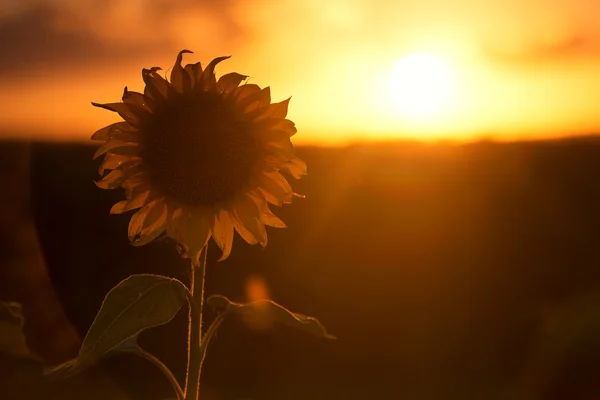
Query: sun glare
x,y
420,85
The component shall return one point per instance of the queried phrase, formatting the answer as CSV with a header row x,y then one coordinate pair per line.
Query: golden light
x,y
420,85
256,290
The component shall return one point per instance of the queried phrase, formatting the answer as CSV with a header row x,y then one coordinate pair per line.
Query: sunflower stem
x,y
195,351
165,370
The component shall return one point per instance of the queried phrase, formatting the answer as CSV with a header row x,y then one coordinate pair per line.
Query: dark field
x,y
446,272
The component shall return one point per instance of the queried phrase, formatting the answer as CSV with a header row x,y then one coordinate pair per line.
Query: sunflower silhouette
x,y
199,157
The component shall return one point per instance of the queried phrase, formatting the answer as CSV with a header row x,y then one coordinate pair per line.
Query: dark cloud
x,y
54,35
30,40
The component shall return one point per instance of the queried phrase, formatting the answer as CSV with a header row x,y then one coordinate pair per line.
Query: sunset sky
x,y
356,69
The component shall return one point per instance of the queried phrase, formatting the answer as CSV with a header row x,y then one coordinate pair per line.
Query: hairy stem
x,y
165,370
195,352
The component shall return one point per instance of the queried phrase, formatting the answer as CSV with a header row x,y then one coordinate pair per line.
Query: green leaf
x,y
12,338
271,310
137,303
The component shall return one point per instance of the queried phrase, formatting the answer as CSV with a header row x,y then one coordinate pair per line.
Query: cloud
x,y
62,33
565,49
334,57
57,33
528,33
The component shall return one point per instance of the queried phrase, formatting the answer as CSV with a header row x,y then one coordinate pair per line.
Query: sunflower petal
x,y
280,180
137,176
208,80
113,180
263,97
275,188
254,102
266,216
150,90
194,71
139,104
127,205
272,135
137,220
246,222
277,110
241,92
241,229
180,79
266,96
118,147
295,167
122,110
136,188
223,232
116,177
126,166
197,233
115,131
131,97
176,229
270,219
261,124
228,82
191,229
118,208
279,155
113,161
288,126
157,87
153,225
197,74
103,134
276,123
281,145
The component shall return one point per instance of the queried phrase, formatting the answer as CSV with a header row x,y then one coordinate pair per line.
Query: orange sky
x,y
519,69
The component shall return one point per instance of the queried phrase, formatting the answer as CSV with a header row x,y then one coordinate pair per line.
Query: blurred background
x,y
450,233
357,69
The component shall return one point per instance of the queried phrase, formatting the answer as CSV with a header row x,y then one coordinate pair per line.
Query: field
x,y
447,271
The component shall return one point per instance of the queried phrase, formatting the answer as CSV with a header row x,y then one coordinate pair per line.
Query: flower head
x,y
199,157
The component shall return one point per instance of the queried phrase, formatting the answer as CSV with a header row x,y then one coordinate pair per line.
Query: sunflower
x,y
199,157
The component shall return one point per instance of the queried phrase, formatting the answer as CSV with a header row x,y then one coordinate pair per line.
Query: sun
x,y
420,86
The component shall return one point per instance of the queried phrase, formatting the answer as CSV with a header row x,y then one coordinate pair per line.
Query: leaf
x,y
137,303
12,338
269,308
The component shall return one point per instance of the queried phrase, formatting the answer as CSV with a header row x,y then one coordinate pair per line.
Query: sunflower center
x,y
198,153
